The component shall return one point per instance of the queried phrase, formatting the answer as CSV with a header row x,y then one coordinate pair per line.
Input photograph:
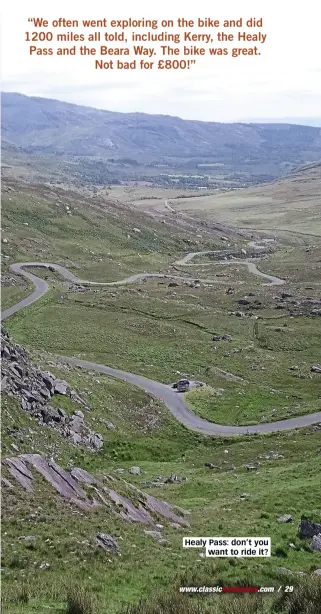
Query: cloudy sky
x,y
283,82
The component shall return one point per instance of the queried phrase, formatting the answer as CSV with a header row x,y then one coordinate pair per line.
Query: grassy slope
x,y
97,237
160,333
63,533
288,204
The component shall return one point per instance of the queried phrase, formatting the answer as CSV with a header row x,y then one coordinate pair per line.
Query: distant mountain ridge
x,y
51,126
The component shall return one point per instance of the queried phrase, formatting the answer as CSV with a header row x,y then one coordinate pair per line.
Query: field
x,y
289,206
261,373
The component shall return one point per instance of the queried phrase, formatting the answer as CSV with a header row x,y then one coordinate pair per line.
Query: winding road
x,y
174,401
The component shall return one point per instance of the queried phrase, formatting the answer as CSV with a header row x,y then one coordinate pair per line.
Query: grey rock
x,y
109,425
48,380
317,572
107,542
16,368
30,397
62,412
5,353
76,438
25,405
50,414
135,470
76,424
316,369
45,393
238,314
316,543
61,387
174,478
79,414
271,456
4,383
6,482
222,338
285,518
27,538
96,440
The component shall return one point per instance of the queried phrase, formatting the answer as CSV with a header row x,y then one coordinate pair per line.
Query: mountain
x,y
55,127
302,121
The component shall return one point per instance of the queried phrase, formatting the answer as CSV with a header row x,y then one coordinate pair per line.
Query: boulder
x,y
61,387
107,543
16,369
251,467
76,424
49,381
285,518
96,440
316,543
79,414
50,413
222,338
135,470
316,369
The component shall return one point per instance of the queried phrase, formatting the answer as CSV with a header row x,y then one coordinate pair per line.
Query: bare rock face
x,y
133,506
34,388
107,543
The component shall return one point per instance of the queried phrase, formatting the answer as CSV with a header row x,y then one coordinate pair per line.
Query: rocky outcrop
x,y
34,389
88,491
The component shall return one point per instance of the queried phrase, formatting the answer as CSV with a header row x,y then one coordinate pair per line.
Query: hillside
x,y
101,478
112,291
291,204
107,146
